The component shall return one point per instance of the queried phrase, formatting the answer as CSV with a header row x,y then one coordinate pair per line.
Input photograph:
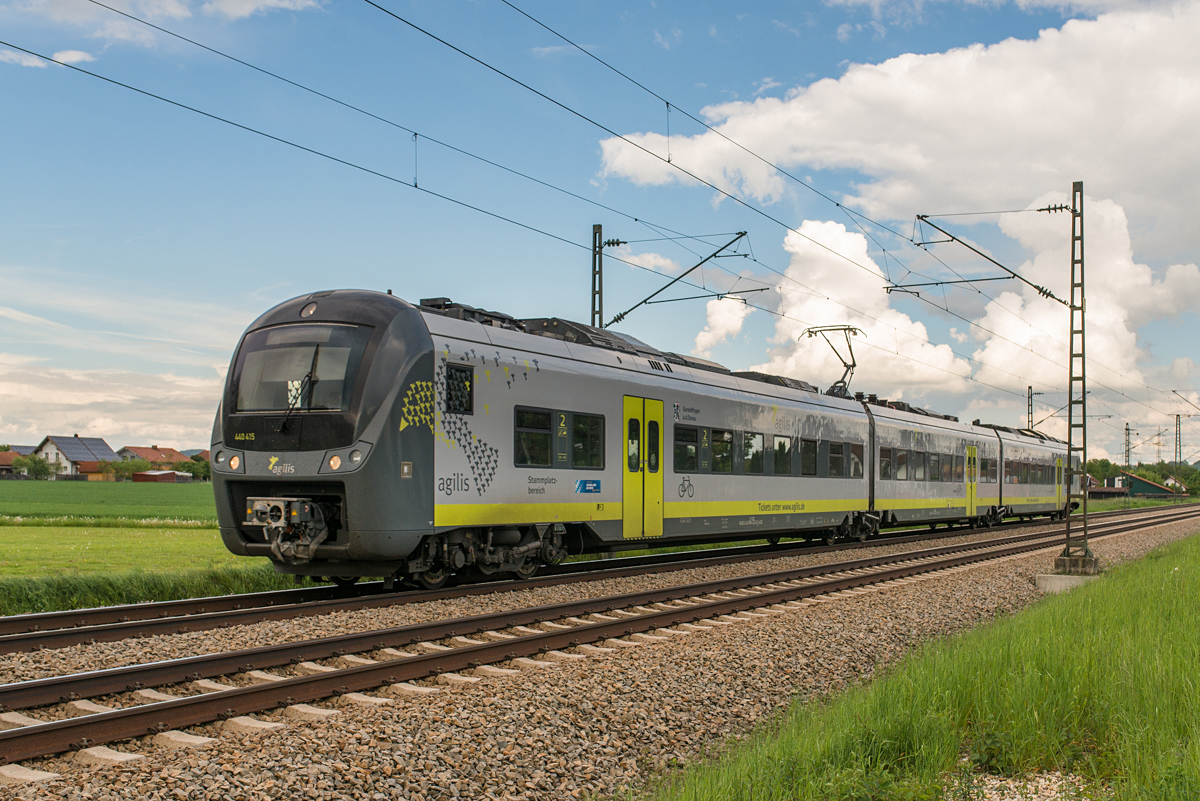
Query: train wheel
x,y
433,579
526,571
830,536
344,581
773,540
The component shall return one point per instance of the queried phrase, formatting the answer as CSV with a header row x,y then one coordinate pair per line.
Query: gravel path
x,y
583,729
56,662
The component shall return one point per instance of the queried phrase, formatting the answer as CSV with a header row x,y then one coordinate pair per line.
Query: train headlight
x,y
335,462
355,457
234,462
308,310
220,457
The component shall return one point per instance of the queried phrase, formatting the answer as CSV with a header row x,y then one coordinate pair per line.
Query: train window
x,y
992,465
935,463
460,389
652,447
752,453
532,447
856,461
299,366
885,463
918,466
687,449
587,441
947,467
722,451
635,445
1023,473
808,457
836,460
958,469
983,470
783,456
901,458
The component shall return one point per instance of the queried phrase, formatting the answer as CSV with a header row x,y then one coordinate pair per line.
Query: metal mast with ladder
x,y
1077,557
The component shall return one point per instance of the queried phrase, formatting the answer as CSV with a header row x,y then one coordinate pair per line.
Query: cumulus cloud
x,y
73,56
103,24
123,407
894,355
724,319
21,59
978,126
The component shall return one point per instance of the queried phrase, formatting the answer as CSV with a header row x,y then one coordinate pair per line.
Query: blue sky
x,y
138,239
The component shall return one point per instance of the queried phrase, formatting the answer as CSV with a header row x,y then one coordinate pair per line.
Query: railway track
x,y
498,637
23,633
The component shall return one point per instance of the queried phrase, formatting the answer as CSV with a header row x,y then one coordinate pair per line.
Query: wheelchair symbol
x,y
686,488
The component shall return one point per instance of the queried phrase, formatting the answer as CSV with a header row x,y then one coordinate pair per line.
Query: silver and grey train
x,y
360,435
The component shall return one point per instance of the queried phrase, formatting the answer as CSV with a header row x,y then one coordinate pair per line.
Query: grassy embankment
x,y
68,545
1100,683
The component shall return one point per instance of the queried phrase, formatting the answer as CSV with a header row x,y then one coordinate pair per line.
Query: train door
x,y
972,478
1058,483
642,488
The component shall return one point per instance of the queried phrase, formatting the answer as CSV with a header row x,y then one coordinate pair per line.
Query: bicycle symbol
x,y
686,488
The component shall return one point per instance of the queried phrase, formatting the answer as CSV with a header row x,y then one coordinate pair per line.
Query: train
x,y
363,435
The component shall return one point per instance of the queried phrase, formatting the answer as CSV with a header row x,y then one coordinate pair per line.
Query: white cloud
x,y
551,50
653,261
894,354
123,407
1113,100
73,56
21,59
765,85
239,9
675,36
724,319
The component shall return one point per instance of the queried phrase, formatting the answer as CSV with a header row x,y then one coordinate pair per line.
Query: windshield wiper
x,y
305,383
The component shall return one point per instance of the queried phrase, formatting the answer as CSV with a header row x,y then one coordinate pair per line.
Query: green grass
x,y
64,550
1101,682
1108,504
106,501
24,595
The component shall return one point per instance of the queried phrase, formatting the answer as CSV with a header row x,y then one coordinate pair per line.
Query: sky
x,y
149,215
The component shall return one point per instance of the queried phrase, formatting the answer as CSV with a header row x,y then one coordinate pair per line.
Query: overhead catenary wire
x,y
447,198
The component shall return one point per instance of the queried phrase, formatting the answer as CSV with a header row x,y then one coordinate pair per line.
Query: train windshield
x,y
302,367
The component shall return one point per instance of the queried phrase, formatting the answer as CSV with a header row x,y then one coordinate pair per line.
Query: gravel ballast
x,y
578,729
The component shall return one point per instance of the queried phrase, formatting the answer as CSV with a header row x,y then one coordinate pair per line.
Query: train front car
x,y
311,464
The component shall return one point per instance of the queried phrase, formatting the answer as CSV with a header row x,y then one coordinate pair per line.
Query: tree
x,y
5,448
125,469
36,467
1102,469
198,470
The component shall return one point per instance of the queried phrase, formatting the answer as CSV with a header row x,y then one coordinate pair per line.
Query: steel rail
x,y
62,735
22,633
41,692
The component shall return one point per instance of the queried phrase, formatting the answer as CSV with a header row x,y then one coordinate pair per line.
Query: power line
x,y
774,166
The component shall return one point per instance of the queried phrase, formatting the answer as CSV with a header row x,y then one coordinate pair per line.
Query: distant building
x,y
159,457
162,477
23,450
6,461
204,455
79,456
1146,487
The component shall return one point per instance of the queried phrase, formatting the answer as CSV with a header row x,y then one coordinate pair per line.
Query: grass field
x,y
1100,682
106,501
62,550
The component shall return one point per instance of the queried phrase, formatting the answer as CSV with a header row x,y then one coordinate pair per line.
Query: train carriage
x,y
361,435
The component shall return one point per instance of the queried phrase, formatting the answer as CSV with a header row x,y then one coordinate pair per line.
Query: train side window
x,y
634,440
808,457
959,474
935,464
856,461
1023,473
460,389
587,441
687,449
722,451
947,467
532,445
836,460
918,466
901,465
652,448
752,453
993,464
983,464
885,464
783,456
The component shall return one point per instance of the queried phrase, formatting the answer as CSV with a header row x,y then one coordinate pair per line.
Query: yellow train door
x,y
972,478
642,486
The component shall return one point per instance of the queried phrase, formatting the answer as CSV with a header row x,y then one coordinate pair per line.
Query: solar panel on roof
x,y
99,449
73,449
